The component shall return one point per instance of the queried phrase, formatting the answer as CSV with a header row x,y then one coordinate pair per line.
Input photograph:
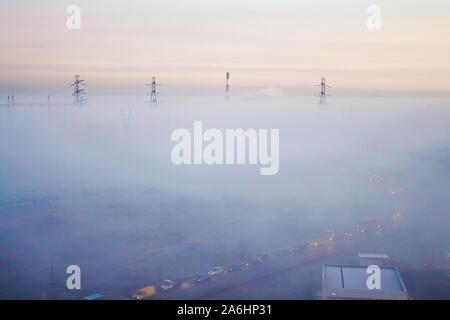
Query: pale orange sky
x,y
121,44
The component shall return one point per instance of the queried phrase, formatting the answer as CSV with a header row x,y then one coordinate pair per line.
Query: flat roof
x,y
373,255
95,296
355,277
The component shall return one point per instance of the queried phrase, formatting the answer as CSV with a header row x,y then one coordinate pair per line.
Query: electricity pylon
x,y
152,92
323,94
10,97
78,94
227,86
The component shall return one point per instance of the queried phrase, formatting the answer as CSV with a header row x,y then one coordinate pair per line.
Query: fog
x,y
103,193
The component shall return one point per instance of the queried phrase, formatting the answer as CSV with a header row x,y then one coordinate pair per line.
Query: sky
x,y
286,45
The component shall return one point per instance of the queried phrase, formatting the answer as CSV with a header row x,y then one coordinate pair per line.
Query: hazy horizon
x,y
286,45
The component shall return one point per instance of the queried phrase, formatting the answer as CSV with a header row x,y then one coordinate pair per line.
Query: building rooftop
x,y
95,296
349,282
373,255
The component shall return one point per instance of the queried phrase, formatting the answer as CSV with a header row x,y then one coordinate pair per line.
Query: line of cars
x,y
169,284
199,278
263,258
173,284
219,270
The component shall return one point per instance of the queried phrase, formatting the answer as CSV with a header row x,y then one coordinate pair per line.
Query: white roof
x,y
373,255
350,282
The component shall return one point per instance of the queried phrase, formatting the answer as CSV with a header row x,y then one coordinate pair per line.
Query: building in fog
x,y
367,259
346,282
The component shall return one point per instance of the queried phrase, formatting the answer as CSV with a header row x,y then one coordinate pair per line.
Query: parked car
x,y
95,296
216,271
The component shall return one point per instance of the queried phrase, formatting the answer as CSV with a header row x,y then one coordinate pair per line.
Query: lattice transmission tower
x,y
323,93
227,85
152,91
78,93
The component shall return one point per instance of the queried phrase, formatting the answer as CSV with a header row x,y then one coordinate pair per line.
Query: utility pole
x,y
323,94
152,91
51,282
78,93
227,86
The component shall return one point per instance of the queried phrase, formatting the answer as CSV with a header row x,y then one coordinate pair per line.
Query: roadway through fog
x,y
95,186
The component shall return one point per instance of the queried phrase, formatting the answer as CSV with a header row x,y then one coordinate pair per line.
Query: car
x,y
233,268
300,249
201,277
144,293
284,252
261,258
170,284
95,296
216,271
315,243
176,283
167,284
